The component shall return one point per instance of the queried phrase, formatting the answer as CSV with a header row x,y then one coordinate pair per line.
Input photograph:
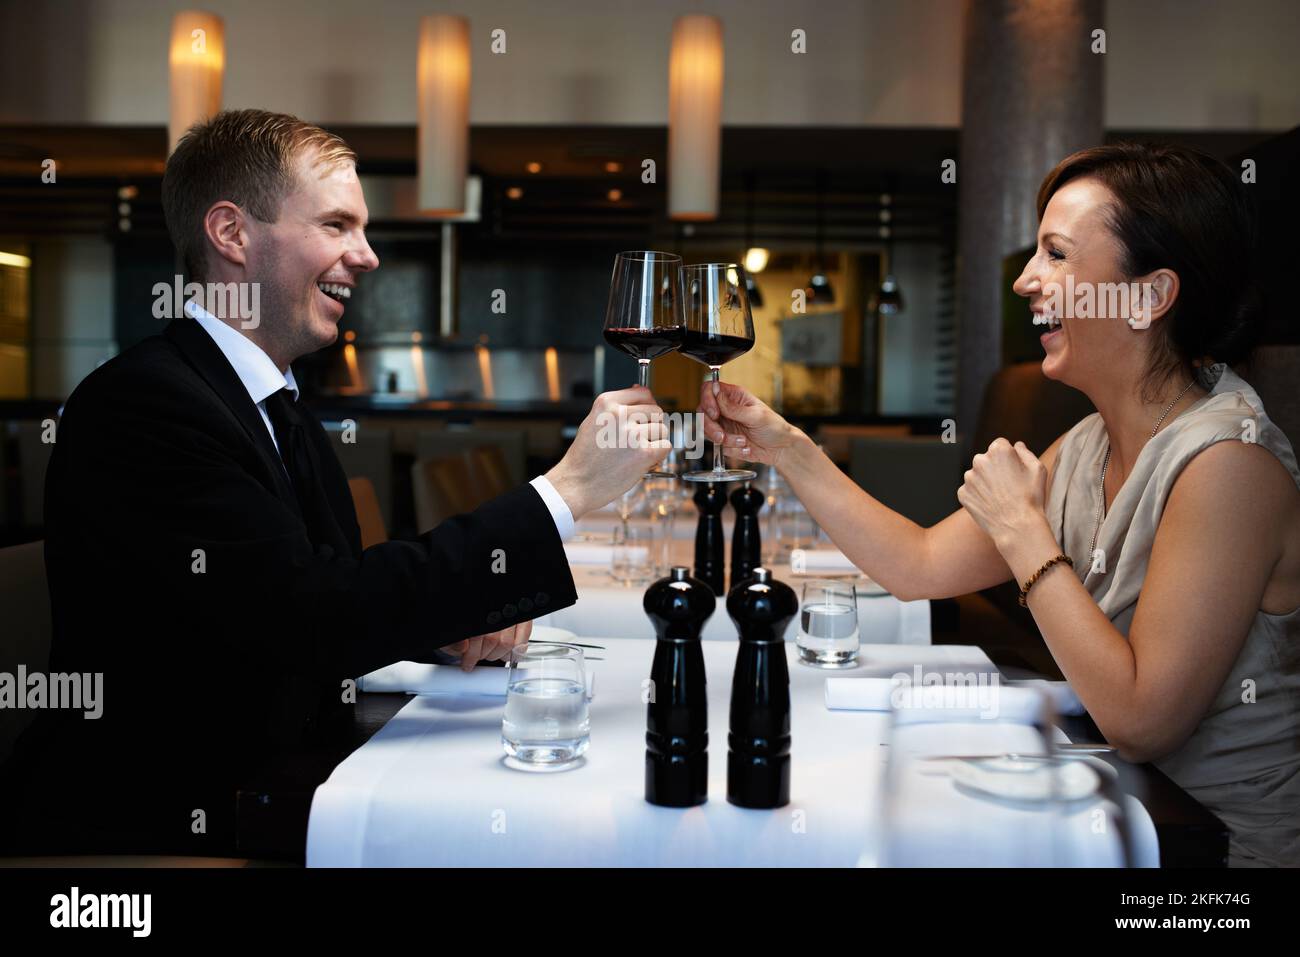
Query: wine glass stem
x,y
715,374
643,372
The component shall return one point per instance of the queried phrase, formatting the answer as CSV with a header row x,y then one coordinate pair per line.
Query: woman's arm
x,y
953,557
1213,555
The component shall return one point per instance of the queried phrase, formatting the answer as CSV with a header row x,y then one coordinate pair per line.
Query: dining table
x,y
420,778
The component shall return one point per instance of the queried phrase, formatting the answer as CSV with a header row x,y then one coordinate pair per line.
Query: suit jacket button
x,y
493,617
542,598
510,611
525,605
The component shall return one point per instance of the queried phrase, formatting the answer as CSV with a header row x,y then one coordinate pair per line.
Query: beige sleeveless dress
x,y
1243,760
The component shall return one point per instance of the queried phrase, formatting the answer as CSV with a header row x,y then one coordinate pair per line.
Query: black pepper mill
x,y
758,755
709,543
677,713
746,546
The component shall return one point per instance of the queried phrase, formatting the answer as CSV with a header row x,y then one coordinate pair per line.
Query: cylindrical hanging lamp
x,y
444,69
694,118
196,65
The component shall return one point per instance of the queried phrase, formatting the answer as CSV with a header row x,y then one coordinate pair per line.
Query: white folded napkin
x,y
1064,700
484,681
987,701
823,560
411,677
593,553
859,694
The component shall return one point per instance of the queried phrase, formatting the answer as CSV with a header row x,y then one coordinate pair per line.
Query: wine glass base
x,y
725,475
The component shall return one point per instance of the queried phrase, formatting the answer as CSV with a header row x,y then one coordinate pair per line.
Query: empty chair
x,y
456,440
442,488
33,459
369,515
490,471
544,436
1274,371
915,475
26,631
837,440
368,454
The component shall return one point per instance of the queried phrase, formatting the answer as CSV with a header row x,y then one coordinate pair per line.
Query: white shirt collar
x,y
253,366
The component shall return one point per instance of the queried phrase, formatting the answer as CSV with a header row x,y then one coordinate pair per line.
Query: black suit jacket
x,y
180,568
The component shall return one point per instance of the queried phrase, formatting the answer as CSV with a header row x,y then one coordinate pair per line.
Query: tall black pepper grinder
x,y
746,545
677,712
758,755
709,543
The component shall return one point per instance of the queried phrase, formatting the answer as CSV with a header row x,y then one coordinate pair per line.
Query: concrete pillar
x,y
1032,94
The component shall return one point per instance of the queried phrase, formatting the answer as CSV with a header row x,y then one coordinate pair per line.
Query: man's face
x,y
318,243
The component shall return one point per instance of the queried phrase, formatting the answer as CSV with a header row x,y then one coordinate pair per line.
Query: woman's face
x,y
1077,252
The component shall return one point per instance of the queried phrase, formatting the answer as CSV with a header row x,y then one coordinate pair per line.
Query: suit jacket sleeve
x,y
152,485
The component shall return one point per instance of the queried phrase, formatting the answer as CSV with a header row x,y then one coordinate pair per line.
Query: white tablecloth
x,y
431,788
605,607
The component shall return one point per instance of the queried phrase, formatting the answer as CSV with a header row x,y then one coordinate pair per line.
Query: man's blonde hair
x,y
245,156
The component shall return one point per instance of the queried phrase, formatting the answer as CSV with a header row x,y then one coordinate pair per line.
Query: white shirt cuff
x,y
559,510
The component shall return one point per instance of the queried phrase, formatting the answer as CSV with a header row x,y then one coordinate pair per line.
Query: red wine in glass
x,y
643,317
719,328
714,348
645,344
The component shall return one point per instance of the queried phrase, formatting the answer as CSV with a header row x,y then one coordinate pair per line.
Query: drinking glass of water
x,y
828,624
547,724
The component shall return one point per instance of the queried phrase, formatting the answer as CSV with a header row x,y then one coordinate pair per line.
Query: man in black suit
x,y
202,548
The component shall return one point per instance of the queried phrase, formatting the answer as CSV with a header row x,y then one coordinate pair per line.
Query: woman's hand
x,y
751,429
494,646
1005,490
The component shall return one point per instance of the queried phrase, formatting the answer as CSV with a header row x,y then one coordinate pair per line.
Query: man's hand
x,y
494,646
622,437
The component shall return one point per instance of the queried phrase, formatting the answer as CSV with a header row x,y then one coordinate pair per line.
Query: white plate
x,y
1027,780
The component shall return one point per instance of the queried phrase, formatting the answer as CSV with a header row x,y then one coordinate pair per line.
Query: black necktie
x,y
300,462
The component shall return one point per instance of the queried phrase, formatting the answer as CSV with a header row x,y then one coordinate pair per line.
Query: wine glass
x,y
719,328
644,315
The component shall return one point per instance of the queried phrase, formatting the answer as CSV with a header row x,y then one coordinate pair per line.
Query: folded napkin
x,y
825,560
413,678
1064,700
593,553
925,703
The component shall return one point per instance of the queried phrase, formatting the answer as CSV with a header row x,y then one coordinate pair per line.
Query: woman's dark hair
x,y
1178,208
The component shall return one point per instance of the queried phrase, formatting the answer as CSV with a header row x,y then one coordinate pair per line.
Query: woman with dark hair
x,y
1157,543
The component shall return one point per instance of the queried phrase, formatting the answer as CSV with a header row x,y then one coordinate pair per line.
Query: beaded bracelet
x,y
1029,582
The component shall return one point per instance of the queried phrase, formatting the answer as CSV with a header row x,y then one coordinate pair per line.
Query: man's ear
x,y
226,229
1157,293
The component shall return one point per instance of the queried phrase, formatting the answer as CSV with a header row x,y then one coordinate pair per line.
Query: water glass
x,y
632,555
547,723
828,624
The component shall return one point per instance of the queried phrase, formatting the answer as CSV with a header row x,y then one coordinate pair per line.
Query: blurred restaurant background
x,y
878,160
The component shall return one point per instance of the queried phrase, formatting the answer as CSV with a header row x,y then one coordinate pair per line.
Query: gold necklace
x,y
1101,484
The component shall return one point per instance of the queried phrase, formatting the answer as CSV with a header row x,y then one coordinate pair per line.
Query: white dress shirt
x,y
262,380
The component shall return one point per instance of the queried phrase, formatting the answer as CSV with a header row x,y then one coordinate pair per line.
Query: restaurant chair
x,y
33,459
915,475
369,515
25,632
837,440
1274,371
545,438
442,488
490,471
369,456
5,509
1020,404
457,440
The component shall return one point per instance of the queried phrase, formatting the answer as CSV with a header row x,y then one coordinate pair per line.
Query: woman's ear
x,y
1156,294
